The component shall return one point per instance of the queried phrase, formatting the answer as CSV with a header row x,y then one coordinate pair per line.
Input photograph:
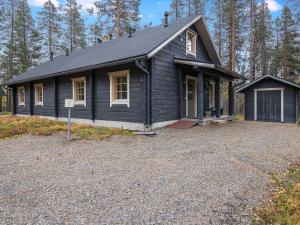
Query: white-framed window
x,y
79,91
38,94
119,87
191,42
21,95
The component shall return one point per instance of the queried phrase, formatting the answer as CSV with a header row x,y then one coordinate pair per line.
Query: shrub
x,y
284,206
11,126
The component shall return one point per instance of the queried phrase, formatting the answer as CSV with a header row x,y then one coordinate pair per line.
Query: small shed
x,y
273,99
2,93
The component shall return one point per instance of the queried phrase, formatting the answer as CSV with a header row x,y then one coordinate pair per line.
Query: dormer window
x,y
191,39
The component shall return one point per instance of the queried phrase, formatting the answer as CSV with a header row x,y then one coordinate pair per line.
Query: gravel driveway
x,y
204,175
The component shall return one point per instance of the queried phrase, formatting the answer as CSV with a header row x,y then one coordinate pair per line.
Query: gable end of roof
x,y
266,77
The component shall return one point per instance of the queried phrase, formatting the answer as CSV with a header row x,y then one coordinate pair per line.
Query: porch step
x,y
221,120
184,124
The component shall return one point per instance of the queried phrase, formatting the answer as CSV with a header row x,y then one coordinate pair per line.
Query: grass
x,y
284,205
11,126
5,113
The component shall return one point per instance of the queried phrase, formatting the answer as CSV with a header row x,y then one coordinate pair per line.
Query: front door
x,y
191,96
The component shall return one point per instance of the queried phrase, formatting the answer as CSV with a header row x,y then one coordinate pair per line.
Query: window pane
x,y
191,42
21,95
124,95
79,90
189,45
120,87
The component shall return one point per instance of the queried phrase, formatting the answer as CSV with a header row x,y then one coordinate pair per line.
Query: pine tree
x,y
50,28
289,44
252,38
263,36
95,32
118,14
74,24
27,38
234,16
177,9
8,57
218,25
183,8
198,7
275,65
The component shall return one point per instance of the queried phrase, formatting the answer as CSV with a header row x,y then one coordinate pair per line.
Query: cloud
x,y
86,4
40,3
273,5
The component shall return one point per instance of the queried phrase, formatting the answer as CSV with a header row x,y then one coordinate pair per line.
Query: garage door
x,y
269,106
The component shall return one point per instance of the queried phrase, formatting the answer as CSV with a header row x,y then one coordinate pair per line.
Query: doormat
x,y
184,124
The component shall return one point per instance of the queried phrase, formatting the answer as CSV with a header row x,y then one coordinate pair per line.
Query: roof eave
x,y
78,70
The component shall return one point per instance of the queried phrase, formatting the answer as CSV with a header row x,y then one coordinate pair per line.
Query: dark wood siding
x,y
289,99
65,92
48,99
165,78
103,111
136,111
19,108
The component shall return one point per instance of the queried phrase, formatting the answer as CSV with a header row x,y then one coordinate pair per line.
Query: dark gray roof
x,y
290,83
141,44
2,93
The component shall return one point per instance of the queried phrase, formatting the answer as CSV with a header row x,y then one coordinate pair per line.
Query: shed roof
x,y
249,85
143,44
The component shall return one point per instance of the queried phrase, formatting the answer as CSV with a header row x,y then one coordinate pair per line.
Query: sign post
x,y
69,103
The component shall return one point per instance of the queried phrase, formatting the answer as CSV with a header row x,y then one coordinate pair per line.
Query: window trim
x,y
35,94
77,102
120,101
19,96
189,31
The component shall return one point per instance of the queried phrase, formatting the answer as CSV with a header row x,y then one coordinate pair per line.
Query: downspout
x,y
148,98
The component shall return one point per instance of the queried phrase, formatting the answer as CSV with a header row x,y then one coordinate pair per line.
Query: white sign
x,y
69,103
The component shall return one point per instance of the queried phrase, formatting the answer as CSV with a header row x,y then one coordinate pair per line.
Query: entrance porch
x,y
205,91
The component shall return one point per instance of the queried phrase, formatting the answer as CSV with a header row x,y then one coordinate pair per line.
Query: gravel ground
x,y
204,175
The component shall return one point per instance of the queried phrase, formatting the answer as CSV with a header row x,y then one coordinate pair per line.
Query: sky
x,y
151,10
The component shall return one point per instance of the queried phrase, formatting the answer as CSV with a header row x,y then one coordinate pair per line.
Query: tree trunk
x,y
49,30
252,39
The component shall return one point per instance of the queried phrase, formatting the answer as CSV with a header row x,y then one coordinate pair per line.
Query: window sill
x,y
80,103
22,104
39,104
120,102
